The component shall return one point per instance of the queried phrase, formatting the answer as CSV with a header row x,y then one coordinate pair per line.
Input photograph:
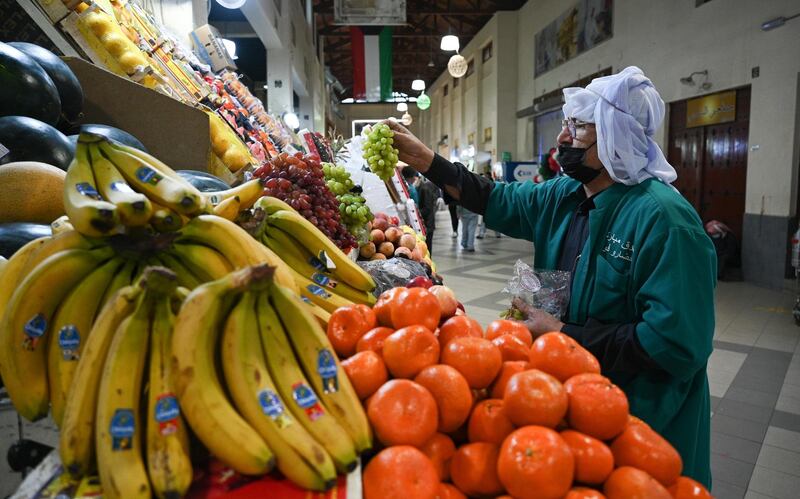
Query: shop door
x,y
711,162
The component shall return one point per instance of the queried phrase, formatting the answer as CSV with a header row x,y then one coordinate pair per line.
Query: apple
x,y
377,236
382,215
367,250
447,300
402,252
420,282
408,241
393,235
380,224
395,220
416,254
387,249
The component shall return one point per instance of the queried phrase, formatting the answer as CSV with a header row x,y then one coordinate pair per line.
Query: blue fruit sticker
x,y
317,264
148,175
87,190
328,371
166,413
324,280
120,187
34,329
272,406
69,340
316,290
306,399
122,429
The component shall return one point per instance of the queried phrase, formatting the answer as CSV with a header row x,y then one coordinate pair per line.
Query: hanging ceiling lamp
x,y
231,4
449,43
457,66
406,119
402,107
418,85
423,101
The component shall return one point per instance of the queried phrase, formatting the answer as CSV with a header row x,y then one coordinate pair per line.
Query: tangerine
x,y
440,450
534,397
459,326
400,472
373,340
347,325
593,459
385,303
686,488
499,327
561,356
597,407
641,447
512,348
508,369
536,463
477,359
474,469
409,350
451,392
416,306
627,482
402,413
489,422
366,372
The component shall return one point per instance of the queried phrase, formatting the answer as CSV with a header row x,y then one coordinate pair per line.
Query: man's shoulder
x,y
664,205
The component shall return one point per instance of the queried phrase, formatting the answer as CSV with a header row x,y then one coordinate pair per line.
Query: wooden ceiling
x,y
414,45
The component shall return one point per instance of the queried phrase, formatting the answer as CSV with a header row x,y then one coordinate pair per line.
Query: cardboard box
x,y
209,48
173,132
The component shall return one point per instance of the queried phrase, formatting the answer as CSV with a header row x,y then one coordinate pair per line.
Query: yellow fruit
x,y
31,192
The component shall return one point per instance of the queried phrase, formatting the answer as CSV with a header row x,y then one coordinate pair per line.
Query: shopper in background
x,y
469,226
410,175
643,268
429,195
452,207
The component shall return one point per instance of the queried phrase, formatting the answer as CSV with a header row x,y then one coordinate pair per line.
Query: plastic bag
x,y
393,272
547,290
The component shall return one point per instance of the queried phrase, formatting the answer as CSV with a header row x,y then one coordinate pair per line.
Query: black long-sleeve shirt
x,y
616,346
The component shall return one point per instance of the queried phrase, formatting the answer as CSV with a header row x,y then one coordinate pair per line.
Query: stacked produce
x,y
465,412
379,151
300,182
387,239
352,206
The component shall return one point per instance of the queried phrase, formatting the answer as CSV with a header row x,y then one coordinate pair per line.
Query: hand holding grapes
x,y
411,150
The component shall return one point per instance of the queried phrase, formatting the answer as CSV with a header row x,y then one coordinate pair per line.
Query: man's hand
x,y
412,151
538,321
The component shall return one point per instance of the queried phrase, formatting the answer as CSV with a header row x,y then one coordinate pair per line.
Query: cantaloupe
x,y
31,192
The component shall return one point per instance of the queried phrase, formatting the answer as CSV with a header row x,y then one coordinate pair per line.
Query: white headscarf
x,y
626,110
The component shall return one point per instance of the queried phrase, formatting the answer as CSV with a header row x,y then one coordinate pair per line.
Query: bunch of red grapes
x,y
299,181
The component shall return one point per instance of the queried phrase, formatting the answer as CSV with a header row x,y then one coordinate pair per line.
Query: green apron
x,y
647,261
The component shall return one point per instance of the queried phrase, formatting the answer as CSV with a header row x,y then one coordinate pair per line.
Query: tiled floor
x,y
754,372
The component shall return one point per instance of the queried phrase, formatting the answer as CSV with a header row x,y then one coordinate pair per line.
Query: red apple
x,y
420,282
380,224
447,300
393,235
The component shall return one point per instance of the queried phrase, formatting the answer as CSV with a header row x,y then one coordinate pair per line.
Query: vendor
x,y
643,268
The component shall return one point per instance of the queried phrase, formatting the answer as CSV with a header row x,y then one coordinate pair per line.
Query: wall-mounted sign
x,y
369,12
711,109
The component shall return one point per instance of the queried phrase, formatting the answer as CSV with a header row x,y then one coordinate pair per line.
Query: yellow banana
x,y
249,192
168,462
77,437
149,160
70,330
320,246
294,386
27,319
299,457
134,207
228,208
202,399
165,190
86,209
322,315
186,277
119,429
318,295
165,219
206,263
321,365
271,205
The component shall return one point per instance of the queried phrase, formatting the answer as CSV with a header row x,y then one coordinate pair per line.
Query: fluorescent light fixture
x,y
266,87
230,46
231,4
418,85
449,43
291,120
402,107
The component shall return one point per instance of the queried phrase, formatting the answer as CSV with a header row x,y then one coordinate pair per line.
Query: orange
x,y
366,372
373,340
583,493
347,325
512,348
686,488
400,472
451,392
641,447
416,306
440,450
475,358
409,350
508,369
535,398
559,355
474,469
597,407
458,327
593,459
402,413
631,483
489,422
383,307
500,327
535,463
447,491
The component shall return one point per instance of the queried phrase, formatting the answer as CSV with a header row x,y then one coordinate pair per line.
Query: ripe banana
x,y
319,245
70,330
272,204
76,443
28,317
134,207
168,462
321,365
165,219
206,263
125,276
299,457
228,208
119,430
164,189
202,399
294,386
186,277
318,295
248,193
86,209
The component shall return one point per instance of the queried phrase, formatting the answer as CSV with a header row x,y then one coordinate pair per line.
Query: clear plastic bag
x,y
393,272
547,290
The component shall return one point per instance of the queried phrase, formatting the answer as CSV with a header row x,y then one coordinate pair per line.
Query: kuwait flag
x,y
372,63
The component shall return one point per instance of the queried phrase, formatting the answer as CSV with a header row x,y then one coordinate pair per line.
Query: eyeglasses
x,y
574,125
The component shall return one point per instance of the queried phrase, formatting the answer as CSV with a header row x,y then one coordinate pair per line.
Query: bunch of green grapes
x,y
354,212
337,178
379,151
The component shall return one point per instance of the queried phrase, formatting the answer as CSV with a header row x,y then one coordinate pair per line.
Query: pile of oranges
x,y
463,412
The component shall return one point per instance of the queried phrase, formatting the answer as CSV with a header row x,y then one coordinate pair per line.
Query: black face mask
x,y
572,159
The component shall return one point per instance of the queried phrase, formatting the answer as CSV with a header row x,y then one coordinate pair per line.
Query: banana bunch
x,y
325,276
290,406
111,188
227,146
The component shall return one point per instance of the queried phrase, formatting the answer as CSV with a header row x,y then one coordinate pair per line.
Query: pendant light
x,y
449,43
418,85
